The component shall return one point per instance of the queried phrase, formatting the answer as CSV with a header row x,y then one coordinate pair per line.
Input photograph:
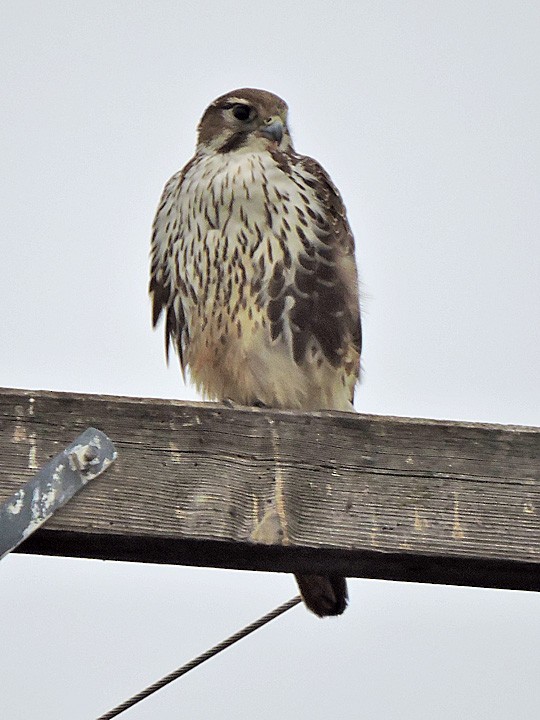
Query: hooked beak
x,y
273,130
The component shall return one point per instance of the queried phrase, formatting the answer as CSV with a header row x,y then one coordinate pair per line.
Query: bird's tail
x,y
323,595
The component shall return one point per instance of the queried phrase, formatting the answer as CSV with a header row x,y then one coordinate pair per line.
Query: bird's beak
x,y
273,129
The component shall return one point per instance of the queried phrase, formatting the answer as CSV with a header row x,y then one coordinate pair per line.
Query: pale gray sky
x,y
426,114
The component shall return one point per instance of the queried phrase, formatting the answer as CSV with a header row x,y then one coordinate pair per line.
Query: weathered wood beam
x,y
366,496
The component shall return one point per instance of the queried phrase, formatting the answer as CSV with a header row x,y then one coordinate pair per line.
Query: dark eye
x,y
242,112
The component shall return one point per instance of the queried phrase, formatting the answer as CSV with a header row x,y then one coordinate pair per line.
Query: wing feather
x,y
326,281
165,291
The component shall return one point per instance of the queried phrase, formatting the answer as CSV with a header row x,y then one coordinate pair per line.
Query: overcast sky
x,y
427,116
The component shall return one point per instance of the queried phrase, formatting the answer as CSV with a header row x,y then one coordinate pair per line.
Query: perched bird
x,y
252,263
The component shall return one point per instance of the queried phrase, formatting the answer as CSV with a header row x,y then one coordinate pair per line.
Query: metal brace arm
x,y
55,484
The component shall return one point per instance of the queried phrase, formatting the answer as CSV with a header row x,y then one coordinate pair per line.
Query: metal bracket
x,y
53,486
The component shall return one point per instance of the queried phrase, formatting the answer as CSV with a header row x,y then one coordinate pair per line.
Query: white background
x,y
426,115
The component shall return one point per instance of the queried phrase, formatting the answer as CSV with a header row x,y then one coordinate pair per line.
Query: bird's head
x,y
249,119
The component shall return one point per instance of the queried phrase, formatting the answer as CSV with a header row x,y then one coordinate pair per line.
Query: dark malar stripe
x,y
237,140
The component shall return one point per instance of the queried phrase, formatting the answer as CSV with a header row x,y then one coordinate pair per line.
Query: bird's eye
x,y
242,112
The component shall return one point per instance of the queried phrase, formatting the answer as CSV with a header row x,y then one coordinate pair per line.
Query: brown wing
x,y
326,284
165,287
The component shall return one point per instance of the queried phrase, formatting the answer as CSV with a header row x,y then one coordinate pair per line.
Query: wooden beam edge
x,y
380,565
203,406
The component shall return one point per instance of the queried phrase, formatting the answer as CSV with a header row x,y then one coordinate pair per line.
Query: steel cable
x,y
201,658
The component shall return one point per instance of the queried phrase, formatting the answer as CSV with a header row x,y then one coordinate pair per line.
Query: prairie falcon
x,y
252,264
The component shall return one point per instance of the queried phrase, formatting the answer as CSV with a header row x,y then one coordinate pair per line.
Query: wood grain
x,y
366,496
